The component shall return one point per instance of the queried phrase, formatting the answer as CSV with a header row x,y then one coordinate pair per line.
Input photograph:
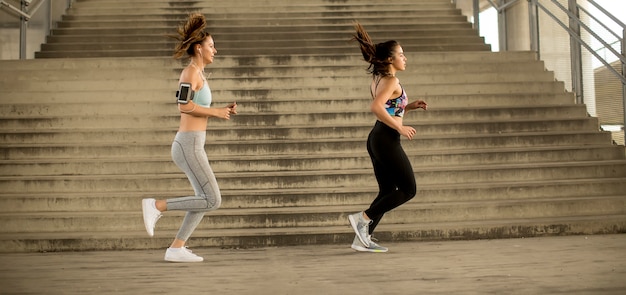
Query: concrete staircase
x,y
86,129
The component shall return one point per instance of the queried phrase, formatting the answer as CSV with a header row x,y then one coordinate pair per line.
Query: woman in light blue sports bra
x,y
393,171
188,147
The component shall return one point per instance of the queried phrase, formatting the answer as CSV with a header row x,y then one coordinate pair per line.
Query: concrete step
x,y
232,34
307,146
379,26
225,61
222,77
249,102
320,196
411,213
380,29
265,19
252,6
356,130
305,45
275,4
360,160
132,8
222,82
511,228
249,51
316,178
422,73
295,92
249,116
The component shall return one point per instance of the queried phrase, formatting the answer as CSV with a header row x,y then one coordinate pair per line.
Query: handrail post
x,y
624,84
576,53
533,21
503,43
23,29
476,11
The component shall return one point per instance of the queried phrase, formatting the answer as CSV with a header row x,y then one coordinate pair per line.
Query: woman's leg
x,y
189,155
386,185
393,172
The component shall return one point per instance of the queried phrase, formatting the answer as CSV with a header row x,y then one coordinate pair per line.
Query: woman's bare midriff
x,y
192,123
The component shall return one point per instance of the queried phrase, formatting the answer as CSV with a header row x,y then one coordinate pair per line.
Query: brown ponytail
x,y
189,34
379,55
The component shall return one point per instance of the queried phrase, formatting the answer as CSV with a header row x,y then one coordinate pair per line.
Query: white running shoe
x,y
181,255
373,247
360,227
150,215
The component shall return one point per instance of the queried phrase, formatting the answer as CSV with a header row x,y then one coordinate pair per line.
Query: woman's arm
x,y
418,104
191,75
198,111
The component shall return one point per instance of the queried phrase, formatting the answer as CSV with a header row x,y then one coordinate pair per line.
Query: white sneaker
x,y
150,215
372,247
360,227
181,255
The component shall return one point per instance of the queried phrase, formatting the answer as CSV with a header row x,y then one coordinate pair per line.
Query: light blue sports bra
x,y
203,96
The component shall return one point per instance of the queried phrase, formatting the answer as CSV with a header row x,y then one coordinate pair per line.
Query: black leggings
x,y
396,181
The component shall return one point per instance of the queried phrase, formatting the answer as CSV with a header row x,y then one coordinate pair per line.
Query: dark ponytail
x,y
379,55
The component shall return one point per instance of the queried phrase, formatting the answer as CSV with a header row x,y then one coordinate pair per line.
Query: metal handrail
x,y
583,43
503,7
11,8
577,70
599,22
577,20
612,17
574,31
25,13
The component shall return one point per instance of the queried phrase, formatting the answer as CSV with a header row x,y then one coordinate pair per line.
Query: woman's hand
x,y
233,108
407,131
419,104
224,113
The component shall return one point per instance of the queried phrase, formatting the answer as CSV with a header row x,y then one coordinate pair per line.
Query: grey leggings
x,y
189,155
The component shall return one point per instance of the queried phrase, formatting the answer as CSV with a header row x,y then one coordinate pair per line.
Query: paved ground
x,y
551,265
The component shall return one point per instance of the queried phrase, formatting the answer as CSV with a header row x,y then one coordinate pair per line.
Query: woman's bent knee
x,y
213,203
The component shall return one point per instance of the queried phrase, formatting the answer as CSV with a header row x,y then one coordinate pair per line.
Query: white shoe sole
x,y
190,257
363,249
180,260
145,206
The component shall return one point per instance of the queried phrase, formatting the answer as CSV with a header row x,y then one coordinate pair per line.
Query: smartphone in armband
x,y
184,93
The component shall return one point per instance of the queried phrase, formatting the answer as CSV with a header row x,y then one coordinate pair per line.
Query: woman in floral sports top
x,y
393,171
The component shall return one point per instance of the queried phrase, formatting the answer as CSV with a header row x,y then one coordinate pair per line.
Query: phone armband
x,y
184,93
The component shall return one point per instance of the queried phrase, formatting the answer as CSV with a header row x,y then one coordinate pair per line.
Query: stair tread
x,y
278,141
243,232
417,169
298,191
288,126
410,206
167,158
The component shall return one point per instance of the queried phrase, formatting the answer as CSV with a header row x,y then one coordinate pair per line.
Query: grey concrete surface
x,y
548,265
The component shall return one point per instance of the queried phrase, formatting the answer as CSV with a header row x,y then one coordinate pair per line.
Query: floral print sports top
x,y
395,106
